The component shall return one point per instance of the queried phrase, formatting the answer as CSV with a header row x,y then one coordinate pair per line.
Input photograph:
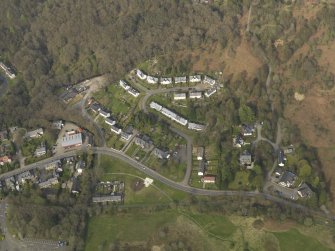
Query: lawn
x,y
241,181
103,230
293,240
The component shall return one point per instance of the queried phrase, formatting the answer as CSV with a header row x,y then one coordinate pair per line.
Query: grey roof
x,y
288,178
109,198
304,191
71,140
245,158
281,157
202,166
161,154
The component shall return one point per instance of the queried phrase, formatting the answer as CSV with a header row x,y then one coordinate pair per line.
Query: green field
x,y
293,240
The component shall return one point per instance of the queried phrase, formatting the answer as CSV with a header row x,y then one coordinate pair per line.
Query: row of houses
x,y
175,117
146,143
177,80
194,95
129,89
202,167
8,71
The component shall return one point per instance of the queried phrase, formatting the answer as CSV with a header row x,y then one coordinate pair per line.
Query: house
x,y
49,182
200,153
209,179
196,127
156,106
304,191
281,158
195,79
194,95
80,166
95,107
52,165
202,168
40,151
144,142
58,124
238,141
124,85
140,74
245,159
115,129
109,198
104,114
5,160
23,177
72,140
75,189
152,80
10,183
35,133
248,130
287,179
3,135
7,70
289,149
179,80
174,116
110,121
210,92
161,154
126,136
133,92
179,96
166,81
208,80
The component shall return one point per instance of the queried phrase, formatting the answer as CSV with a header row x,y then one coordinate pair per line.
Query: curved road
x,y
179,186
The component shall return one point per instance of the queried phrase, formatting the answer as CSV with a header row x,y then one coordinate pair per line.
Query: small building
x,y
57,124
116,130
196,127
281,158
75,189
200,152
40,151
35,133
161,154
304,191
245,159
133,92
49,182
108,198
287,179
202,168
110,121
289,149
80,166
104,114
156,106
124,85
8,71
208,80
72,140
23,177
166,81
210,92
195,79
195,95
179,80
126,136
144,142
152,80
95,107
10,183
238,141
248,130
208,179
140,74
5,160
179,96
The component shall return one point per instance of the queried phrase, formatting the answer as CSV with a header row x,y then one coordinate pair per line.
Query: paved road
x,y
179,186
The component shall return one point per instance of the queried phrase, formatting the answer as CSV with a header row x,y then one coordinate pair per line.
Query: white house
x,y
208,179
104,114
124,85
179,96
126,136
210,92
140,74
156,106
133,92
72,140
195,79
194,95
35,133
166,81
196,127
115,129
152,80
110,121
208,80
179,80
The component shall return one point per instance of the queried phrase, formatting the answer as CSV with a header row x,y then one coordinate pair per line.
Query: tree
x,y
246,114
304,169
